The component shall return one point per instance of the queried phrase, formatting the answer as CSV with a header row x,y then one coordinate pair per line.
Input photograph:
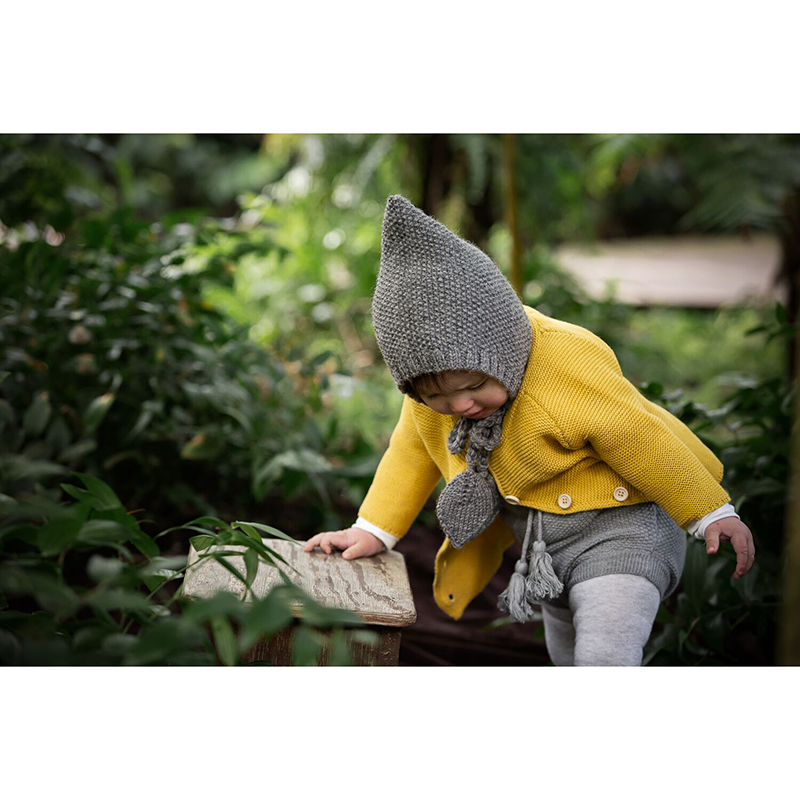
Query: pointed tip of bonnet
x,y
400,221
404,223
397,201
398,210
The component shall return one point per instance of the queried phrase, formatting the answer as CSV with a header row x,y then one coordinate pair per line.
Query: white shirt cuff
x,y
387,538
697,527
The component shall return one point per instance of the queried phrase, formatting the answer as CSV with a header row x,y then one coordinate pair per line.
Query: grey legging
x,y
608,622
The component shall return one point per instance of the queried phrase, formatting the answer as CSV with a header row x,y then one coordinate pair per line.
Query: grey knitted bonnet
x,y
440,304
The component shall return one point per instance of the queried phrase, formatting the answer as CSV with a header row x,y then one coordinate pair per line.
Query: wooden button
x,y
564,500
620,493
513,500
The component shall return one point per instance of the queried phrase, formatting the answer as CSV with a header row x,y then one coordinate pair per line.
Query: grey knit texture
x,y
641,539
440,304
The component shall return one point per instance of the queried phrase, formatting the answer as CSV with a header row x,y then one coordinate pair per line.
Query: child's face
x,y
466,393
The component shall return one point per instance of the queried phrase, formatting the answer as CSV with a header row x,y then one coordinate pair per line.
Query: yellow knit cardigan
x,y
577,427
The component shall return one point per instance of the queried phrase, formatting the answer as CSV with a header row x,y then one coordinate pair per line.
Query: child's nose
x,y
460,406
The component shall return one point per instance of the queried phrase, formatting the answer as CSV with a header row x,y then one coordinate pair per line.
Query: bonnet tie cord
x,y
513,600
542,582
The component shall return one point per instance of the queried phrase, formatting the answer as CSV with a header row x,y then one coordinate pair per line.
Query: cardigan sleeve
x,y
651,449
697,527
388,540
405,477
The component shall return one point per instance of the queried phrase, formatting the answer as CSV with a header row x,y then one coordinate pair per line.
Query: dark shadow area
x,y
437,640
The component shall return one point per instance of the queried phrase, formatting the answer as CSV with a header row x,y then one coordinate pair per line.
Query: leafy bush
x,y
72,591
712,619
119,365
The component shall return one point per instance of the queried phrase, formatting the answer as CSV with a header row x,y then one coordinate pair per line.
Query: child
x,y
562,453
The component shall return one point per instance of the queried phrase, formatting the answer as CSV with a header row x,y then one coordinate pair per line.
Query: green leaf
x,y
96,411
367,638
19,466
166,637
201,543
153,578
223,562
149,408
248,529
269,529
120,599
220,604
144,544
202,447
693,578
50,594
141,541
58,435
306,647
265,617
340,653
251,566
77,492
225,641
77,450
215,521
119,644
37,415
101,531
57,535
103,496
101,568
322,616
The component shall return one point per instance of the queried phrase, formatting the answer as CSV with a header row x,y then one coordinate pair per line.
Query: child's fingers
x,y
712,540
355,551
740,547
325,540
312,542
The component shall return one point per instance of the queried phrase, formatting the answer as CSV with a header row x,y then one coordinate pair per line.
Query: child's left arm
x,y
666,462
735,531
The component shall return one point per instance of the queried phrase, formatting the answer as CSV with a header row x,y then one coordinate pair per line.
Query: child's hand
x,y
740,537
357,541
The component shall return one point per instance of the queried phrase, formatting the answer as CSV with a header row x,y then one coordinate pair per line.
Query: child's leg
x,y
613,616
559,635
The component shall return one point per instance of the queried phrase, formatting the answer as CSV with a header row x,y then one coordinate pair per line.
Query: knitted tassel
x,y
542,582
513,599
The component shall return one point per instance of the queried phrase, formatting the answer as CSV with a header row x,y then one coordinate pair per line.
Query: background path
x,y
698,271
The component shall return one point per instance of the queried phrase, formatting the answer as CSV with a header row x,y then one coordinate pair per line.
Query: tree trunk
x,y
510,150
789,273
436,160
789,633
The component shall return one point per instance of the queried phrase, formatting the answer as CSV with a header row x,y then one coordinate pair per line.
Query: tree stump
x,y
375,588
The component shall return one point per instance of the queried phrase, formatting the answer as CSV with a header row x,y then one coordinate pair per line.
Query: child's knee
x,y
613,616
559,635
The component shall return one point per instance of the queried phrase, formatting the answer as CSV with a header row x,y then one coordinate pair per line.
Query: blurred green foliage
x,y
73,593
189,317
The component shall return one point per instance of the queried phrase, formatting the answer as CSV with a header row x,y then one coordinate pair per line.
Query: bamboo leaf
x,y
103,495
224,640
37,415
96,411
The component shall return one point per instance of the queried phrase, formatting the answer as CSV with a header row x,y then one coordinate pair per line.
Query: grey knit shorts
x,y
640,539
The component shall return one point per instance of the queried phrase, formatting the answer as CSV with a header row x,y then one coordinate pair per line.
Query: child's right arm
x,y
354,541
404,479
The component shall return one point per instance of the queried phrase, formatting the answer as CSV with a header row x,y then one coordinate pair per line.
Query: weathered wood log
x,y
374,588
277,649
